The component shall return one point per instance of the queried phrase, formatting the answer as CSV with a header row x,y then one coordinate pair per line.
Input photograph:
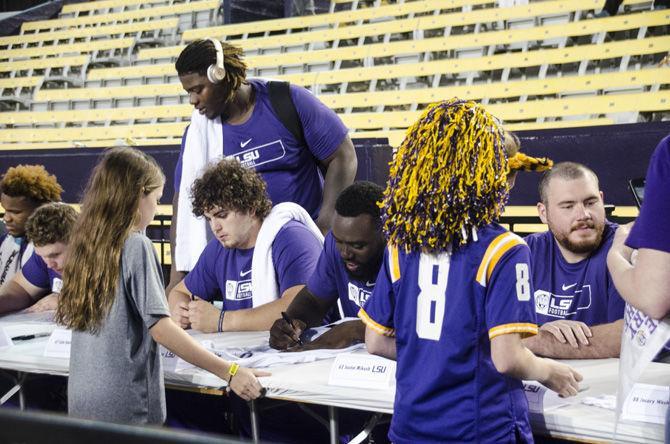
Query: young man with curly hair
x,y
37,285
258,262
23,188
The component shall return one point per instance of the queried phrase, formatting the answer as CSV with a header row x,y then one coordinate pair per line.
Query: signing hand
x,y
572,332
284,334
340,336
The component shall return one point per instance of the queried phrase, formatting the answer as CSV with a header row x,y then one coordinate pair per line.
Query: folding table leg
x,y
254,421
334,426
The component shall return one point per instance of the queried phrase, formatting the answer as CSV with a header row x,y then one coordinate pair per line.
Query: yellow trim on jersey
x,y
526,330
496,249
377,328
394,263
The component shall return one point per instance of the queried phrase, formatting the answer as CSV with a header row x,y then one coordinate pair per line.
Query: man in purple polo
x,y
579,310
37,285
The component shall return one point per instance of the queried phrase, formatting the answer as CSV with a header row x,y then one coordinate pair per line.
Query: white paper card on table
x,y
59,344
541,398
5,339
646,403
363,371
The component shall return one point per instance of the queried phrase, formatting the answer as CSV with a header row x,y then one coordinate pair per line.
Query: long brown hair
x,y
109,211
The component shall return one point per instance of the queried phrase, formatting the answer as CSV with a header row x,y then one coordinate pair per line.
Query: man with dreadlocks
x,y
453,299
283,132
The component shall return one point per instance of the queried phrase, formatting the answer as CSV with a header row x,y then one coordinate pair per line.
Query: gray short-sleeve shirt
x,y
116,374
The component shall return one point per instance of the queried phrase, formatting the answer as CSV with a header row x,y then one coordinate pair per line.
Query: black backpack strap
x,y
284,108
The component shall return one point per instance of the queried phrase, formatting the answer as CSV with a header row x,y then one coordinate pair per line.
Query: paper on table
x,y
363,371
541,398
59,344
647,403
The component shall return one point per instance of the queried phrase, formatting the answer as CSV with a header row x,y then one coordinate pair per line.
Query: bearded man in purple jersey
x,y
578,308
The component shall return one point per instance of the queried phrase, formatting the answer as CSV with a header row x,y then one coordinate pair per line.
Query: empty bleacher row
x,y
103,72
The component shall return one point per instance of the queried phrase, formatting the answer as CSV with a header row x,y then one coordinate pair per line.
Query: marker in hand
x,y
288,320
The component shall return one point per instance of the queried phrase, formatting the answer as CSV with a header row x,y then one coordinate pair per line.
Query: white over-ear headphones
x,y
216,73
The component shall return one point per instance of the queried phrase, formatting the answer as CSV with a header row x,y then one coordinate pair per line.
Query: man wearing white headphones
x,y
289,137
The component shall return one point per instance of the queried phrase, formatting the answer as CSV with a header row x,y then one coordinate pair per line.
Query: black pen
x,y
29,337
287,319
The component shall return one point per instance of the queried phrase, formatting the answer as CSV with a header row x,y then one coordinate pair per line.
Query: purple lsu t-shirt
x,y
226,272
583,291
263,143
330,281
651,227
38,274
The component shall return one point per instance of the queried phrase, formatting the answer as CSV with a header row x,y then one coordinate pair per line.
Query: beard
x,y
367,271
585,245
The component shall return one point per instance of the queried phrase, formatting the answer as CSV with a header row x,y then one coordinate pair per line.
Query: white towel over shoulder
x,y
203,145
263,276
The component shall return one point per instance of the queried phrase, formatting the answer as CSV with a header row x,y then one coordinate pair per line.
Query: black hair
x,y
360,198
200,54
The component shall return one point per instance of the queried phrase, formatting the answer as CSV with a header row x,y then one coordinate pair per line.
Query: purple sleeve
x,y
651,227
177,168
323,129
36,272
323,282
201,281
509,297
295,252
378,311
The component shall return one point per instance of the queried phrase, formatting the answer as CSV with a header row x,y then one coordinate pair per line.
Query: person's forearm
x,y
175,298
340,173
380,345
175,275
258,318
645,286
308,308
605,342
13,297
168,334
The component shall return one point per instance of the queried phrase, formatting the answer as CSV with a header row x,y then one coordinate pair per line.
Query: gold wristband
x,y
232,371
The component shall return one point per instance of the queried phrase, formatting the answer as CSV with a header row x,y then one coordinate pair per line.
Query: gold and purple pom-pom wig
x,y
447,178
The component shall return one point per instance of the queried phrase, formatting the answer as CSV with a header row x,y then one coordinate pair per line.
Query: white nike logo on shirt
x,y
370,284
568,287
244,273
243,144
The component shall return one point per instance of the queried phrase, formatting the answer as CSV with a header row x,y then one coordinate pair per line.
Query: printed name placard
x,y
363,371
541,398
647,403
59,344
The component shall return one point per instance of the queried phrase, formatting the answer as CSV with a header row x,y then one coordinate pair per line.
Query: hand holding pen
x,y
285,332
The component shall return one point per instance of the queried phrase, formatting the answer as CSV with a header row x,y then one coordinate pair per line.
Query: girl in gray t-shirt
x,y
113,300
